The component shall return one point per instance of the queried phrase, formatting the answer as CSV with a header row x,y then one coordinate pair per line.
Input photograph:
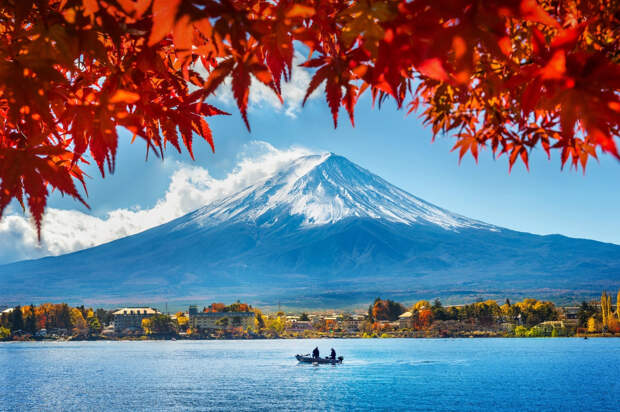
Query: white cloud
x,y
190,187
261,96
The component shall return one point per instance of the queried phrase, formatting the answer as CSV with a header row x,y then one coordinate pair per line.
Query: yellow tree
x,y
606,309
182,319
421,305
275,325
77,320
147,326
592,325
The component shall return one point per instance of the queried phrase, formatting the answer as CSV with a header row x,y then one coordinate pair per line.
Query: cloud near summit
x,y
190,187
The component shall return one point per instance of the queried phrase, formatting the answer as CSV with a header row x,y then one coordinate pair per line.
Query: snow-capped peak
x,y
326,188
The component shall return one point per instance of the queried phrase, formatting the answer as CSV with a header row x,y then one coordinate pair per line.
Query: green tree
x,y
586,311
304,317
161,324
259,322
104,316
94,326
438,310
535,332
520,331
5,320
17,320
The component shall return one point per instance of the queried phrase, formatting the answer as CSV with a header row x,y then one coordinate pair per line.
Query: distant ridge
x,y
321,232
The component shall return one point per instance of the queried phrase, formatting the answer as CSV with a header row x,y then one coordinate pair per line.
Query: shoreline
x,y
173,339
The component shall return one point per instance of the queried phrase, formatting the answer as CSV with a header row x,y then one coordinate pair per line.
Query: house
x,y
131,318
219,320
405,321
352,323
331,322
388,324
569,315
7,311
299,326
548,326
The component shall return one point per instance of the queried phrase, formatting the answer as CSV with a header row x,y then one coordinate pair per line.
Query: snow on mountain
x,y
324,189
320,232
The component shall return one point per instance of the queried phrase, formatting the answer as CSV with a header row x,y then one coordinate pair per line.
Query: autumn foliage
x,y
385,310
508,75
234,307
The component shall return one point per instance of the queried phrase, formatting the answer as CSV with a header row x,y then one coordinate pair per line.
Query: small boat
x,y
309,359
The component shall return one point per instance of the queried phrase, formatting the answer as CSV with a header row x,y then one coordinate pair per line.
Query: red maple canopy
x,y
504,74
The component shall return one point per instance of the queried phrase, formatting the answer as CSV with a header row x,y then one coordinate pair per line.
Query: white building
x,y
131,318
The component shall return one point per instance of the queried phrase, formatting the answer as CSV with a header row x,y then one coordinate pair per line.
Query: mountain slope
x,y
320,232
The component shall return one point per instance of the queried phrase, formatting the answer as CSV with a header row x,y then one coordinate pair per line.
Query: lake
x,y
378,374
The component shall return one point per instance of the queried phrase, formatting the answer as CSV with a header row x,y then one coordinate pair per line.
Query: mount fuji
x,y
321,232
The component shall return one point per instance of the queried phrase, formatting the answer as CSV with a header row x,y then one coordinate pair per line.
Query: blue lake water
x,y
378,374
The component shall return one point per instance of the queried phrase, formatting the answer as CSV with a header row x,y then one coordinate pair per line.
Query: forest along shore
x,y
383,319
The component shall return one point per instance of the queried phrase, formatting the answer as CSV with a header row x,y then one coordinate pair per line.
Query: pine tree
x,y
64,317
17,321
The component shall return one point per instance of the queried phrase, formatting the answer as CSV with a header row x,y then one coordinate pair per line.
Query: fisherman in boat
x,y
333,354
315,353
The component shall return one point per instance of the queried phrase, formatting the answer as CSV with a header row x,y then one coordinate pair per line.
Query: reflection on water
x,y
378,374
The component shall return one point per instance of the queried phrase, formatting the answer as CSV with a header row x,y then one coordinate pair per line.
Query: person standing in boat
x,y
315,353
333,354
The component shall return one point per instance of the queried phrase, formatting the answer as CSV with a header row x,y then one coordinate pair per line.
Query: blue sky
x,y
544,200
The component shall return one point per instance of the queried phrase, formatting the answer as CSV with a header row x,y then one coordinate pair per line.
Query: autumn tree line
x,y
528,318
55,318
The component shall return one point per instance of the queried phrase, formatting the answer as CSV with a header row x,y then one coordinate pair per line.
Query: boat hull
x,y
310,359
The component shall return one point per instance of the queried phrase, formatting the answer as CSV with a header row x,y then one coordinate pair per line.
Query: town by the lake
x,y
384,318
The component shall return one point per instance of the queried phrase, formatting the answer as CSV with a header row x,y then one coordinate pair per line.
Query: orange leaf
x,y
124,96
459,46
531,10
90,7
164,14
505,45
433,68
300,10
182,36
